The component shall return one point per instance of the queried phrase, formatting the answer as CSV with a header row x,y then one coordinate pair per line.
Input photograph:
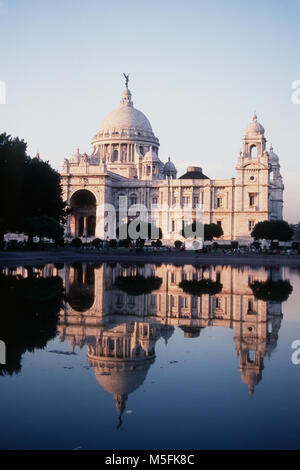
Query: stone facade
x,y
125,162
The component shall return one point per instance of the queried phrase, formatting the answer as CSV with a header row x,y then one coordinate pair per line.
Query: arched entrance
x,y
83,213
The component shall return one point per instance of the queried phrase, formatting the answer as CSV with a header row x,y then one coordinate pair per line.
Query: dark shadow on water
x,y
29,315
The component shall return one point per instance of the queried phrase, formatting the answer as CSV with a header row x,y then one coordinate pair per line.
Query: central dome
x,y
126,117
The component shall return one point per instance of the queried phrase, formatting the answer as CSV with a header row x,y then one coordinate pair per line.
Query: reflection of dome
x,y
126,117
254,128
191,331
251,378
166,332
120,377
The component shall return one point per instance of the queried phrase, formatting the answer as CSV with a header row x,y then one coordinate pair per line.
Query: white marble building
x,y
125,162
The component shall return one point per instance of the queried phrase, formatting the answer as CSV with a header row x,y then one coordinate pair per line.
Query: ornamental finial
x,y
126,79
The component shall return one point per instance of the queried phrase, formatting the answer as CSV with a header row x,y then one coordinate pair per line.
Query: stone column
x,y
99,228
84,232
76,225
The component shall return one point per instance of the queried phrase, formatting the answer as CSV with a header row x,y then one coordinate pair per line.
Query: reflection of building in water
x,y
121,356
120,330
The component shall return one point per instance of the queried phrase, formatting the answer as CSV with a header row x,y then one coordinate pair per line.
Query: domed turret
x,y
152,167
273,157
254,128
169,170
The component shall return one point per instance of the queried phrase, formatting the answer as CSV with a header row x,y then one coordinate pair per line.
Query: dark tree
x,y
13,162
142,227
272,230
43,226
28,188
210,231
42,191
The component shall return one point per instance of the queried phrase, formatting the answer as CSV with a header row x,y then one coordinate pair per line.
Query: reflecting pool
x,y
149,356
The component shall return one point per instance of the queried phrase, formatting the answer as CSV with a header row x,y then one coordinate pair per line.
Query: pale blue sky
x,y
198,69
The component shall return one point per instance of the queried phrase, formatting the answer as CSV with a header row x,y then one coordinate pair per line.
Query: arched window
x,y
133,199
115,155
253,151
122,201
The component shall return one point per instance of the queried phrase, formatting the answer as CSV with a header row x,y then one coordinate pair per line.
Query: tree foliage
x,y
272,230
29,188
142,227
210,231
43,226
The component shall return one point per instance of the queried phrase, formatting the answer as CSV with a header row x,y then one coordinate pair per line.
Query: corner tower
x,y
252,183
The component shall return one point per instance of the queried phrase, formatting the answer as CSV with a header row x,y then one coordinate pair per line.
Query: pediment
x,y
253,166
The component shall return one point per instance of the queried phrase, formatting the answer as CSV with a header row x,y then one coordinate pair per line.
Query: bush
x,y
274,245
256,245
178,244
60,242
140,243
97,242
12,245
112,243
124,243
295,246
76,242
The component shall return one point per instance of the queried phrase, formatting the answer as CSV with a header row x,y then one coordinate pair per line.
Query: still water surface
x,y
113,356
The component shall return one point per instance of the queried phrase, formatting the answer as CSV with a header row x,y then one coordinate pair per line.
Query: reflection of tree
x,y
138,285
204,286
29,317
272,291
